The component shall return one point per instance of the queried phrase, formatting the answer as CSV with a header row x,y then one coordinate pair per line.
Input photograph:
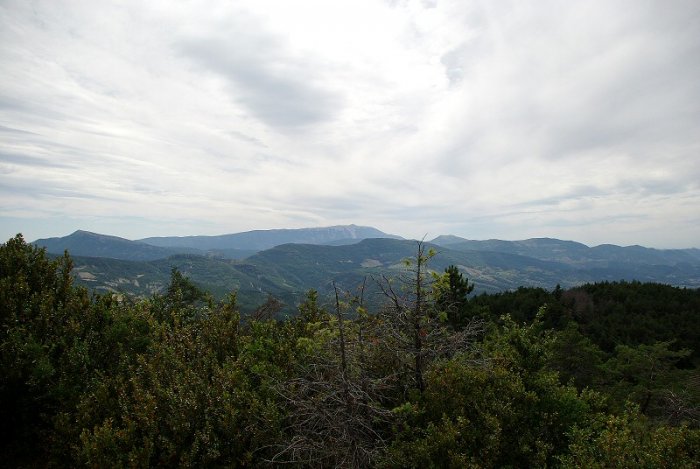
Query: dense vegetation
x,y
604,375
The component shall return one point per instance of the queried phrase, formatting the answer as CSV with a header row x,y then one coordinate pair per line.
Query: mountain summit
x,y
265,239
86,243
231,246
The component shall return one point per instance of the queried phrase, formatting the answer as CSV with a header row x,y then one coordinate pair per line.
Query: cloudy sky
x,y
484,119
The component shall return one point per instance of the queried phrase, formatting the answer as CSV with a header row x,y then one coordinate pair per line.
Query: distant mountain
x,y
259,240
642,255
319,265
85,243
287,263
230,246
287,271
576,254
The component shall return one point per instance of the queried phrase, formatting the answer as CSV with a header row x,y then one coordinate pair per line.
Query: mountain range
x,y
573,253
287,263
258,240
228,246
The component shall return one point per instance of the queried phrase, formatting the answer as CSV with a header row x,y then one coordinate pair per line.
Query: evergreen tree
x,y
451,291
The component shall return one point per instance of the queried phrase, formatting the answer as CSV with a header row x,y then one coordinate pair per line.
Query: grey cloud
x,y
11,130
453,63
32,149
354,204
649,92
587,221
281,91
386,210
32,108
246,138
667,186
30,188
576,193
396,3
30,160
599,124
607,90
330,205
634,90
664,186
8,103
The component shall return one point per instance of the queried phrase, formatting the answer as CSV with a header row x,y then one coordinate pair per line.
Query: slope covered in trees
x,y
432,378
85,243
289,270
577,254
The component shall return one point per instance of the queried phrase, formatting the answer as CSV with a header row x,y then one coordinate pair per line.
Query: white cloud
x,y
485,119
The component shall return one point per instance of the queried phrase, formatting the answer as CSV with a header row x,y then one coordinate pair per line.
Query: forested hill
x,y
241,245
348,254
85,243
576,254
289,270
602,375
229,246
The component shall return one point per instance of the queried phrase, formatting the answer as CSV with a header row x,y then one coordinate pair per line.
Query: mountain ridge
x,y
89,244
288,270
575,253
265,239
228,246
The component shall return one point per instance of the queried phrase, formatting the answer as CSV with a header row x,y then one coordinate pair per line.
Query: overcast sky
x,y
483,119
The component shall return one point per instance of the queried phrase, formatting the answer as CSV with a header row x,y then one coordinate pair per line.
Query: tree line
x,y
602,375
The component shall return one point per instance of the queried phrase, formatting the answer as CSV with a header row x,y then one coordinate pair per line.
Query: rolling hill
x,y
289,270
229,246
576,254
85,243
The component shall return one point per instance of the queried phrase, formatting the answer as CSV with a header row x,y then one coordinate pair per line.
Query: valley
x,y
254,266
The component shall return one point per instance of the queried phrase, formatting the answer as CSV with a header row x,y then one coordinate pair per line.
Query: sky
x,y
484,119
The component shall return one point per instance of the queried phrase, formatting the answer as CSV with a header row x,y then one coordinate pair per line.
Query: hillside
x,y
289,270
85,243
576,254
229,246
145,278
490,271
589,376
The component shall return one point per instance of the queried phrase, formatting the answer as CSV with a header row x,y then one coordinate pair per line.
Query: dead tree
x,y
335,413
268,310
411,324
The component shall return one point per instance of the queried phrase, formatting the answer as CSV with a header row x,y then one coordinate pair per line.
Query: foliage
x,y
576,358
628,441
181,380
451,291
643,373
477,406
38,313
